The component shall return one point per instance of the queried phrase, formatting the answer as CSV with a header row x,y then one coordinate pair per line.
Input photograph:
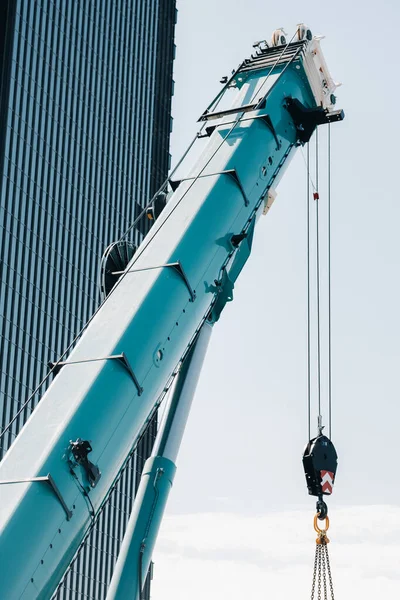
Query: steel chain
x,y
321,568
319,572
315,573
328,564
323,547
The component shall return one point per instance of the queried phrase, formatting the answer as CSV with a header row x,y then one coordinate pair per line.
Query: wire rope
x,y
318,277
329,289
315,188
308,299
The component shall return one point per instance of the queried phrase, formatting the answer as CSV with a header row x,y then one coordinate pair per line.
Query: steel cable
x,y
329,288
308,299
318,276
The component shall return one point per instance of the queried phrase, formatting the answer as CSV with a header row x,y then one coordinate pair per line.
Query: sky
x,y
239,520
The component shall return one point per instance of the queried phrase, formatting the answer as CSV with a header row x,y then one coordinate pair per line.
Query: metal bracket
x,y
48,479
120,357
232,111
237,239
264,118
177,266
80,450
232,173
267,120
223,290
307,119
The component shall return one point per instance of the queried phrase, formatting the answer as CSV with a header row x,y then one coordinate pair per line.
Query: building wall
x,y
85,97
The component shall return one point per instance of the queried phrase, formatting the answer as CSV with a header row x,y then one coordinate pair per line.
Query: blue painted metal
x,y
159,470
137,548
152,318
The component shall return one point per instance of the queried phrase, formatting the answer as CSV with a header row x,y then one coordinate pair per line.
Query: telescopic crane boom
x,y
180,277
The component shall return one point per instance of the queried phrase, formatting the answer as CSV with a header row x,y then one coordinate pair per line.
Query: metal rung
x,y
176,266
120,357
232,111
230,172
268,58
264,118
48,479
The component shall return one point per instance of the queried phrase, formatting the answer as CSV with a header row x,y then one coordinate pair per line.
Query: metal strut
x,y
265,118
56,366
177,266
47,479
232,173
206,116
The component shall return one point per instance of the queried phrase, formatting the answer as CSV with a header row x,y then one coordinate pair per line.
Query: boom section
x,y
181,275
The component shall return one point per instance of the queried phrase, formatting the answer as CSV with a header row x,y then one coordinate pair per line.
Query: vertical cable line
x,y
329,288
308,298
318,280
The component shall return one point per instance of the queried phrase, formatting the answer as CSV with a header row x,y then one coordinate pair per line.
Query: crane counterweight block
x,y
320,465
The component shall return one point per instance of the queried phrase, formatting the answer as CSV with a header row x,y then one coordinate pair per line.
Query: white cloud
x,y
239,557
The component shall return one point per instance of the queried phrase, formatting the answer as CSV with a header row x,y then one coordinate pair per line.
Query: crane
x,y
150,334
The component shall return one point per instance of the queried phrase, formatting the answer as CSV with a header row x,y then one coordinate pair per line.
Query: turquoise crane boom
x,y
180,277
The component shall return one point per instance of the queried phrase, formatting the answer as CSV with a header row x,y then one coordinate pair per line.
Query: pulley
x,y
278,38
304,33
114,261
320,465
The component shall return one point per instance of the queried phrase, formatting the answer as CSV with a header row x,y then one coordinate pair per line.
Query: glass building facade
x,y
85,119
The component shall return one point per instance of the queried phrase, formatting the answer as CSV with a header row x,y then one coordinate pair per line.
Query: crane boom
x,y
182,275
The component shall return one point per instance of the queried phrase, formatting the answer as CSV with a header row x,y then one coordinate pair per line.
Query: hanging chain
x,y
315,572
319,574
322,566
328,564
324,571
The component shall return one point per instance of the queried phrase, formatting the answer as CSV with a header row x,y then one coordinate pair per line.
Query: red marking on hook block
x,y
327,481
316,196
